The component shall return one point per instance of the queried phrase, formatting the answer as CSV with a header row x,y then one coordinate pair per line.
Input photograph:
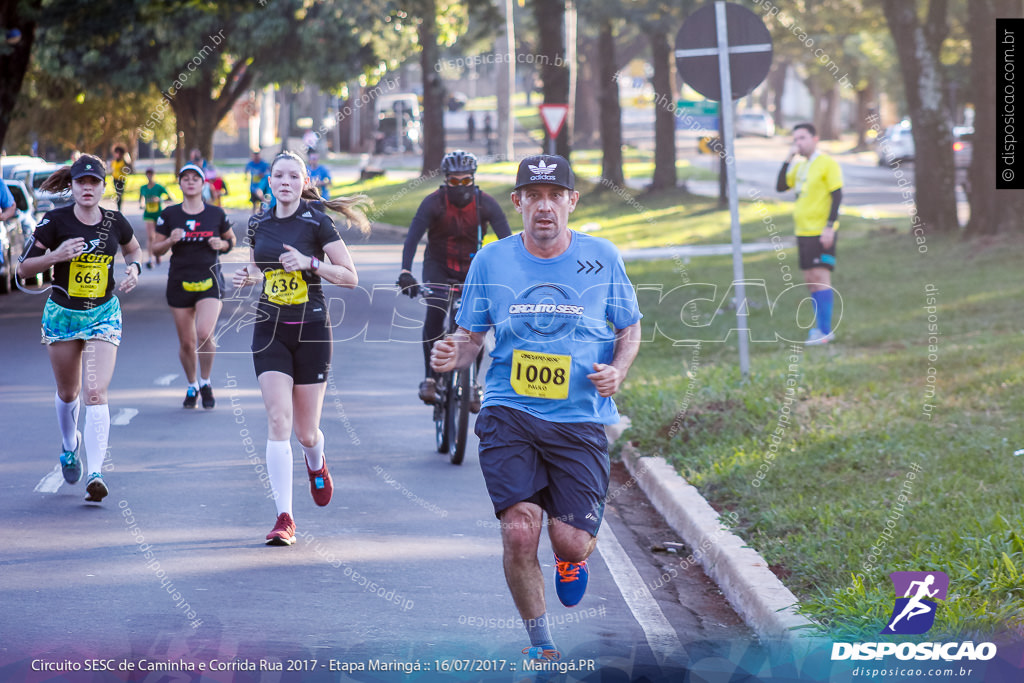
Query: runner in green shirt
x,y
150,198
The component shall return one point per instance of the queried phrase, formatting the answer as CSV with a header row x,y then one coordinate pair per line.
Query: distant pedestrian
x,y
818,182
196,233
310,139
291,344
151,196
471,126
488,134
82,317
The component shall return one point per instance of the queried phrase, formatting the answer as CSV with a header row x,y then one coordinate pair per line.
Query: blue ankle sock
x,y
823,309
540,635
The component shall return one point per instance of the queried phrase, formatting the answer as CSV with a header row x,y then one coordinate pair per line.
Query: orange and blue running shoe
x,y
570,581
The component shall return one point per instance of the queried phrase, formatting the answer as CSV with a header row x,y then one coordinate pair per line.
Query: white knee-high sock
x,y
97,435
315,455
279,467
67,420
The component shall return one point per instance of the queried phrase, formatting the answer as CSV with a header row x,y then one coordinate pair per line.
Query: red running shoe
x,y
283,532
320,484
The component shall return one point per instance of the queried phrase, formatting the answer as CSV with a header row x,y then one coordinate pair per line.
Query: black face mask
x,y
460,195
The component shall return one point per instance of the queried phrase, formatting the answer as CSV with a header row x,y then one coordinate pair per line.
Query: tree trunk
x,y
992,211
15,62
588,93
918,47
865,98
506,72
433,136
777,83
550,18
664,113
830,127
609,107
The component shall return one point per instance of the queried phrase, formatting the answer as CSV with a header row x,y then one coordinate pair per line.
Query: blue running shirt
x,y
552,319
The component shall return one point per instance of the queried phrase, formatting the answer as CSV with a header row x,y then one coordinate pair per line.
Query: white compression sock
x,y
67,420
97,435
315,455
279,468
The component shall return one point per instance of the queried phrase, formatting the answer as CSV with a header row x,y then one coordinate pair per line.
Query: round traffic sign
x,y
697,48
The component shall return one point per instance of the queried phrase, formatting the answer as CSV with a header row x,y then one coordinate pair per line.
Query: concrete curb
x,y
743,576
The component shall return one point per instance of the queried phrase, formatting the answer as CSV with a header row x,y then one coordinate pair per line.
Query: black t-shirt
x,y
296,296
87,281
192,258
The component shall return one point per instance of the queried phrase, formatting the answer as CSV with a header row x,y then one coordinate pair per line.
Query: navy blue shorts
x,y
562,467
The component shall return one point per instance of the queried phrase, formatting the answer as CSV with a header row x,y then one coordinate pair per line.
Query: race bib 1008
x,y
540,375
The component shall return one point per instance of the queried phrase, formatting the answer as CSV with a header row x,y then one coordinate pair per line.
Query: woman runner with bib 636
x,y
82,317
291,343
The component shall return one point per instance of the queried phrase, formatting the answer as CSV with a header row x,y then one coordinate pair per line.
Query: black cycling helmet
x,y
459,161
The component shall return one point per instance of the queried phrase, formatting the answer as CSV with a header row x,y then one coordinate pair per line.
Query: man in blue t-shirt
x,y
567,328
319,176
257,170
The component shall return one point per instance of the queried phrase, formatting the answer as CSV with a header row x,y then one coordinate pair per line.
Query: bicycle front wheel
x,y
463,387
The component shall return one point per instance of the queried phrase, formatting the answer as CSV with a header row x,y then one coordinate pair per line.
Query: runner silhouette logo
x,y
916,593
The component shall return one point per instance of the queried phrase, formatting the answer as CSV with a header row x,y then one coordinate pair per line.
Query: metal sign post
x,y
748,60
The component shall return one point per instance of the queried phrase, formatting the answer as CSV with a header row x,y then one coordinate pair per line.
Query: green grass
x,y
857,425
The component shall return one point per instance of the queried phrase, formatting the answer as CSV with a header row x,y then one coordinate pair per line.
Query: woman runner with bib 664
x,y
291,343
82,317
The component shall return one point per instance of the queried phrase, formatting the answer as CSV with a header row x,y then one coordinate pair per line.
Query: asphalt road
x,y
404,565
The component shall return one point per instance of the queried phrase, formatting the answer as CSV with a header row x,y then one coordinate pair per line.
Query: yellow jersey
x,y
814,180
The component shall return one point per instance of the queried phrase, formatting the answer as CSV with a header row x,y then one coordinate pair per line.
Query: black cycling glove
x,y
407,283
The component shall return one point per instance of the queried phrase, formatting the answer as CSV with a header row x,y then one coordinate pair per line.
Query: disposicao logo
x,y
913,613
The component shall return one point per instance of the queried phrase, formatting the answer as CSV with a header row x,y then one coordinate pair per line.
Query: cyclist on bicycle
x,y
455,218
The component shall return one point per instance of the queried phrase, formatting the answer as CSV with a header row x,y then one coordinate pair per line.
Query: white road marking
x,y
659,632
165,380
51,482
123,417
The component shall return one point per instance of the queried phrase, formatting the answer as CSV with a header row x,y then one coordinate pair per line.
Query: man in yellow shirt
x,y
818,182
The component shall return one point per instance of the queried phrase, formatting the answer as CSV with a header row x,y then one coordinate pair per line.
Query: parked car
x,y
11,162
895,144
755,123
14,234
963,150
33,175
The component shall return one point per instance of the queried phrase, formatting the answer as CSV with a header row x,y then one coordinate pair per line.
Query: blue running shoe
x,y
542,653
70,464
570,581
191,397
96,489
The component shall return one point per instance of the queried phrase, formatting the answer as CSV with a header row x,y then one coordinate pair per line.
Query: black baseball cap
x,y
88,165
545,169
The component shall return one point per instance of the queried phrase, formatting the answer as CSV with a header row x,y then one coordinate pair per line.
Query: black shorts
x,y
185,293
812,255
253,198
562,467
119,187
300,350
